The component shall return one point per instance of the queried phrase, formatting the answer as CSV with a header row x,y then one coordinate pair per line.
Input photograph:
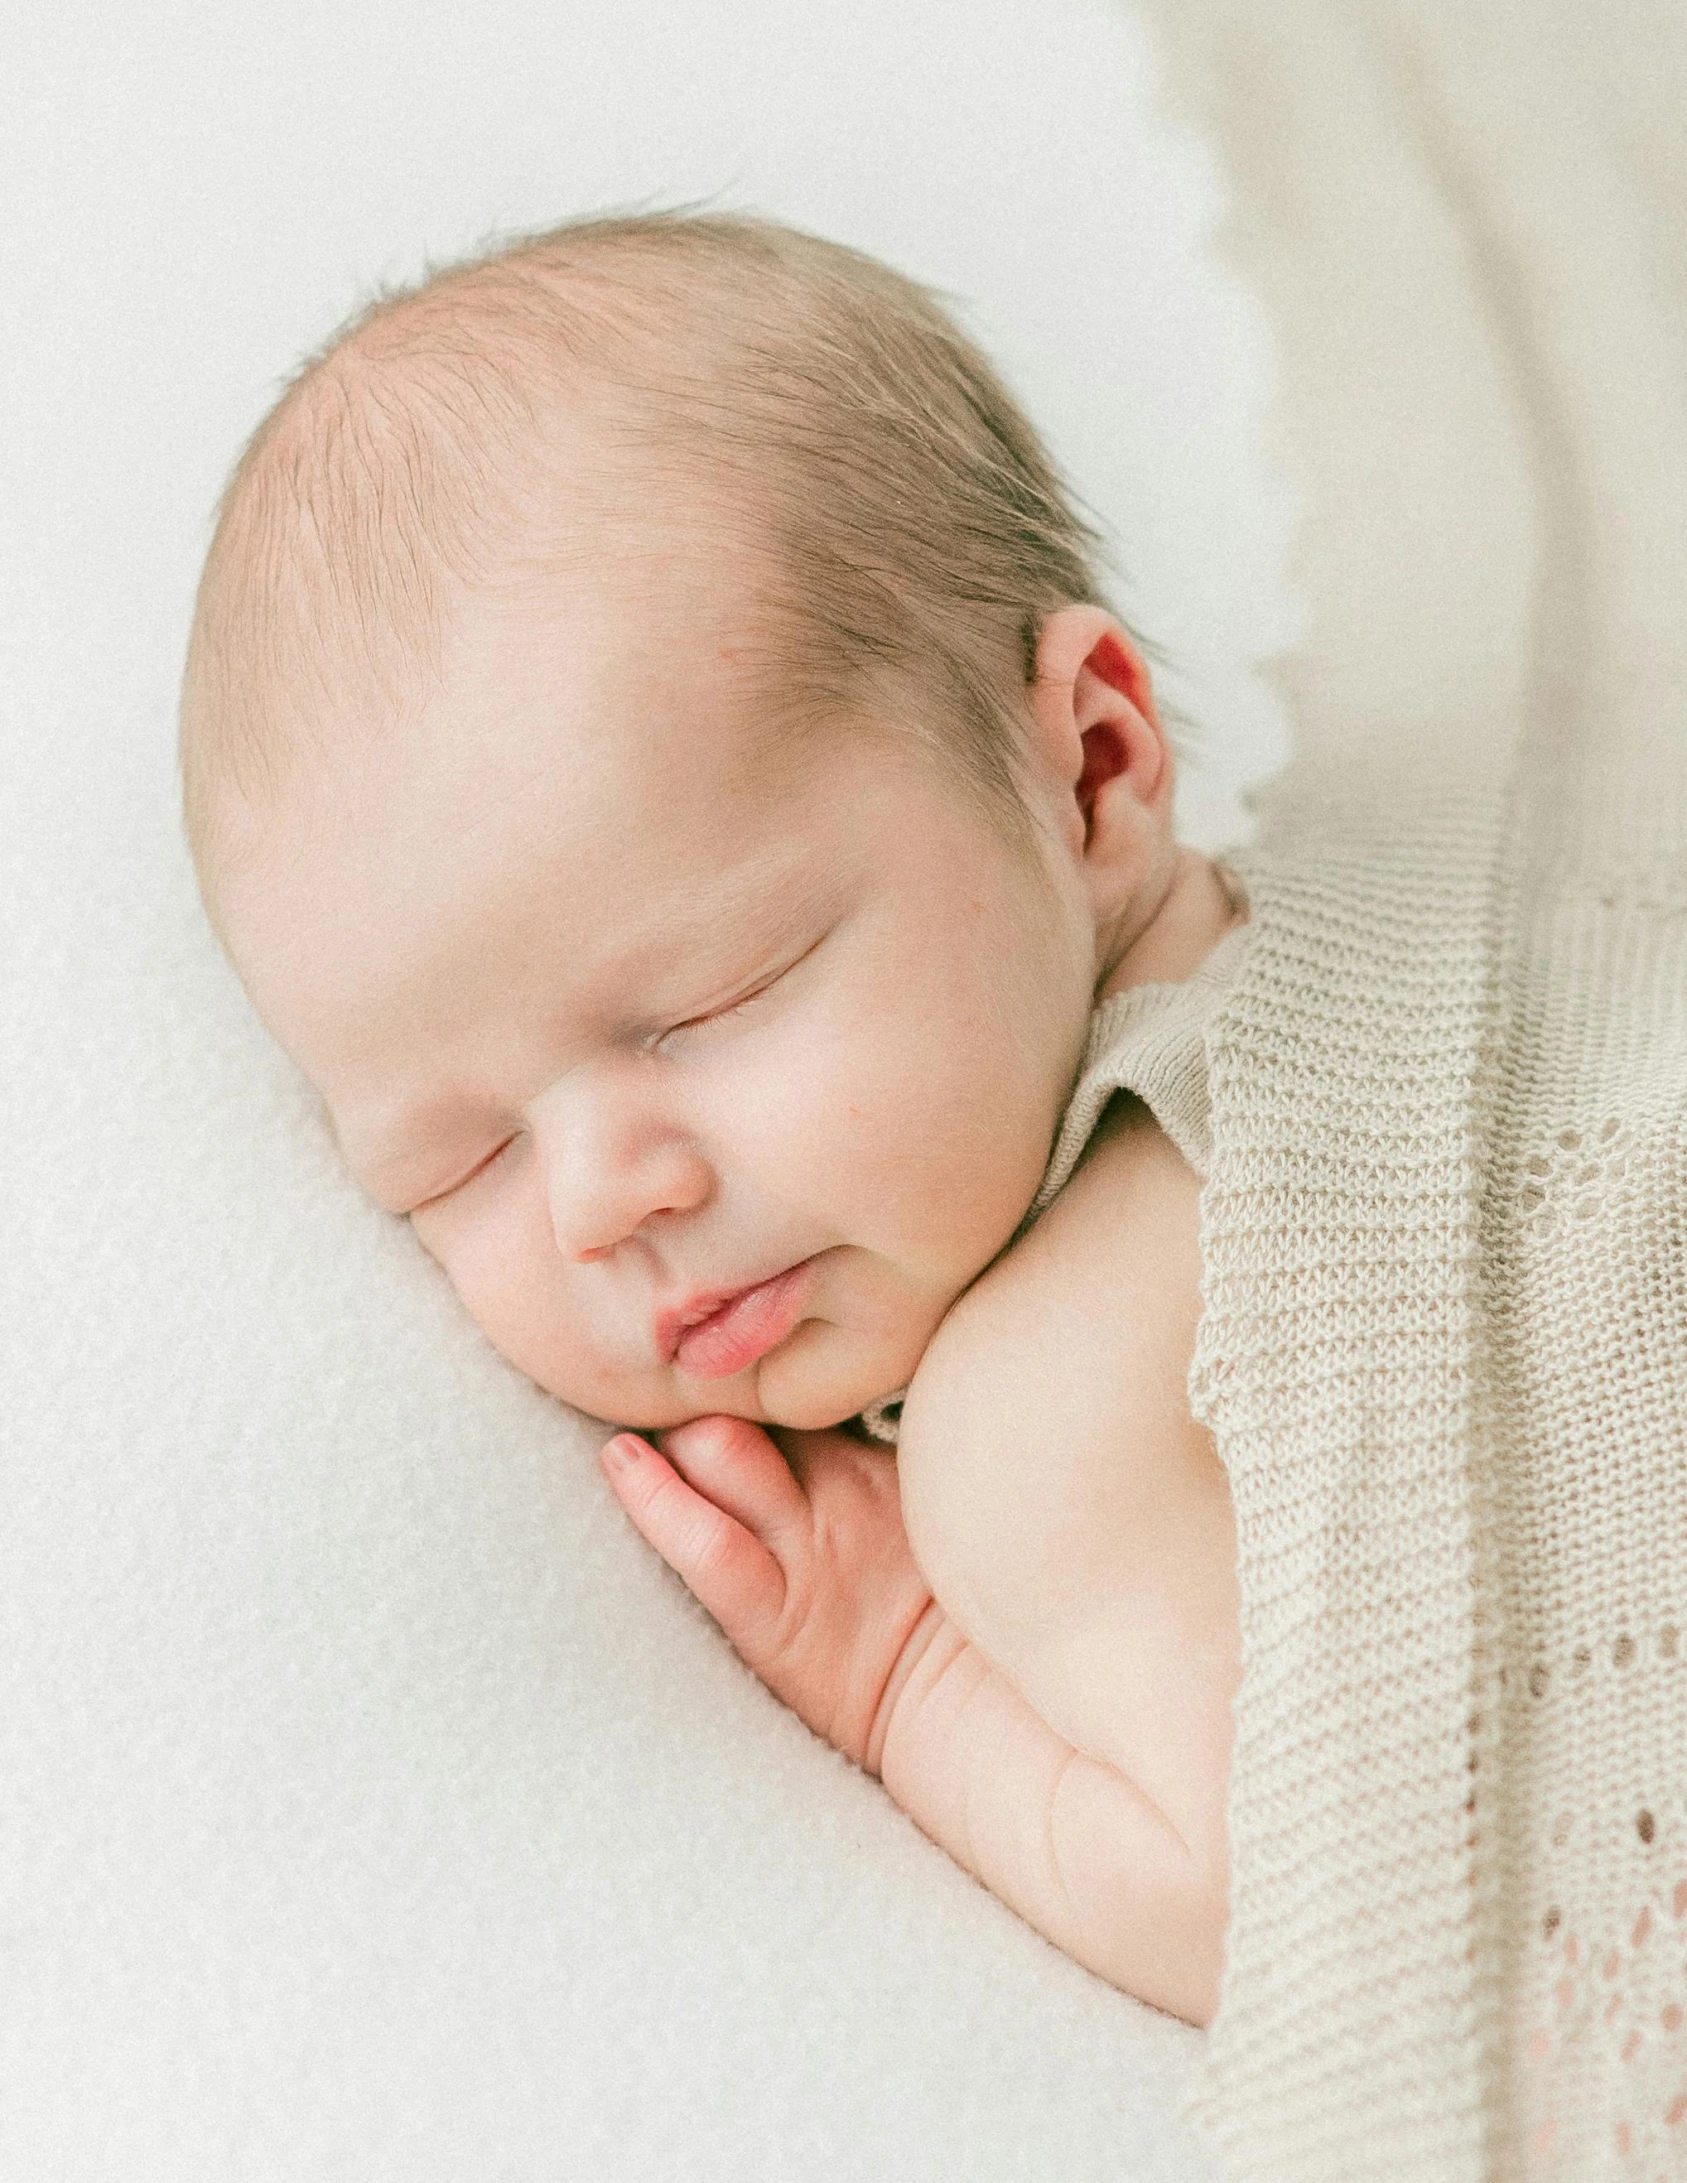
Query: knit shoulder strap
x,y
1150,1040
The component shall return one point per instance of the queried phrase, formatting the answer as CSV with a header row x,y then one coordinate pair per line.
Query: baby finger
x,y
719,1560
740,1468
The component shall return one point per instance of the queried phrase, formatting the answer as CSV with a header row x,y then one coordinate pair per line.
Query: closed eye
x,y
735,1007
474,1174
716,1015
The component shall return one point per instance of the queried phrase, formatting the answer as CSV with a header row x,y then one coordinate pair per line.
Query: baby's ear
x,y
1101,749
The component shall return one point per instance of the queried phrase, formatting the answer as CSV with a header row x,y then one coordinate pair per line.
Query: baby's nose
x,y
597,1202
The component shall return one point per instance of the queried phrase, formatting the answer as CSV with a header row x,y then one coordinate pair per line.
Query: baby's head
x,y
659,761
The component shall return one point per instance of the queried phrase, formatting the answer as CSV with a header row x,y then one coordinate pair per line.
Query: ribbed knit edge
x,y
1337,1366
1150,1039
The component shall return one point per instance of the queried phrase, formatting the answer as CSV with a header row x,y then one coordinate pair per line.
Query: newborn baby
x,y
659,761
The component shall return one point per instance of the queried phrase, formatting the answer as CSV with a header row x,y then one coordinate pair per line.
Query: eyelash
x,y
442,1197
715,1015
733,1008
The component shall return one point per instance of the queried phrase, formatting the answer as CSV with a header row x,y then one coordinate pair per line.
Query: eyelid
x,y
743,1000
715,1015
462,1182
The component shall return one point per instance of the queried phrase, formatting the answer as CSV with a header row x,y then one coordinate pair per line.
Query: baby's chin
x,y
823,1376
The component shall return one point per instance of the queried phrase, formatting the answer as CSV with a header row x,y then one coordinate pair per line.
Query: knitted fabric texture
x,y
1149,1040
1444,1355
1444,1343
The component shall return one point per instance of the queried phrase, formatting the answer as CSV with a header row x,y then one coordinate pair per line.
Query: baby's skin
x,y
717,1067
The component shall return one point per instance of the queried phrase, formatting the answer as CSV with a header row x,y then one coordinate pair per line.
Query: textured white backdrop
x,y
372,1804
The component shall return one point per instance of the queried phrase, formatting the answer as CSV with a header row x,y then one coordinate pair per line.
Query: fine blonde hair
x,y
911,530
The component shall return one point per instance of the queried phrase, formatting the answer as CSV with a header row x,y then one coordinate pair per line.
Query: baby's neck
x,y
1193,914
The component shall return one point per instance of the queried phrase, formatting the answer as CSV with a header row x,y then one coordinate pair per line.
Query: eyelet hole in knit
x,y
1570,1176
1600,1989
1606,1974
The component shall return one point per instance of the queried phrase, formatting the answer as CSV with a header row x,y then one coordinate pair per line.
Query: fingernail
x,y
624,1449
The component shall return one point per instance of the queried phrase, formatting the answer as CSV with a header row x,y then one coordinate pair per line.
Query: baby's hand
x,y
799,1555
802,1559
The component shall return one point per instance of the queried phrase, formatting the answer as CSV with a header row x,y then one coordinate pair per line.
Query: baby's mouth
x,y
714,1335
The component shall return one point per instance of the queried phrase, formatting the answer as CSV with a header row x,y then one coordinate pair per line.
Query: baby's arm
x,y
805,1565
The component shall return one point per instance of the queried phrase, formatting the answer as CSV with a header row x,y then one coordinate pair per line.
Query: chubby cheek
x,y
503,1263
924,1142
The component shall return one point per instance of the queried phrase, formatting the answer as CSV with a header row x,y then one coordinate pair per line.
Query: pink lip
x,y
718,1332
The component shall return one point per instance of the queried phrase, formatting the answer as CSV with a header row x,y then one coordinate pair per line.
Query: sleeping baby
x,y
658,758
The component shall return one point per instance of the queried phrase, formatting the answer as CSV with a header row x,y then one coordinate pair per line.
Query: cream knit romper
x,y
1150,1040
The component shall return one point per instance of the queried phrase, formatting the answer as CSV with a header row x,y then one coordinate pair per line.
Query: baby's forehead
x,y
628,745
608,645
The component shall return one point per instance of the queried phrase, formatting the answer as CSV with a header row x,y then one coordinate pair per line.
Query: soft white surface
x,y
374,1805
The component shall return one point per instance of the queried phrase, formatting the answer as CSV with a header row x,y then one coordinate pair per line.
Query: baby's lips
x,y
745,1327
677,1320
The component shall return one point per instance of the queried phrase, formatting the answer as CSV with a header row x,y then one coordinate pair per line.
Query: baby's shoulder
x,y
1106,1283
1054,1394
1068,1512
